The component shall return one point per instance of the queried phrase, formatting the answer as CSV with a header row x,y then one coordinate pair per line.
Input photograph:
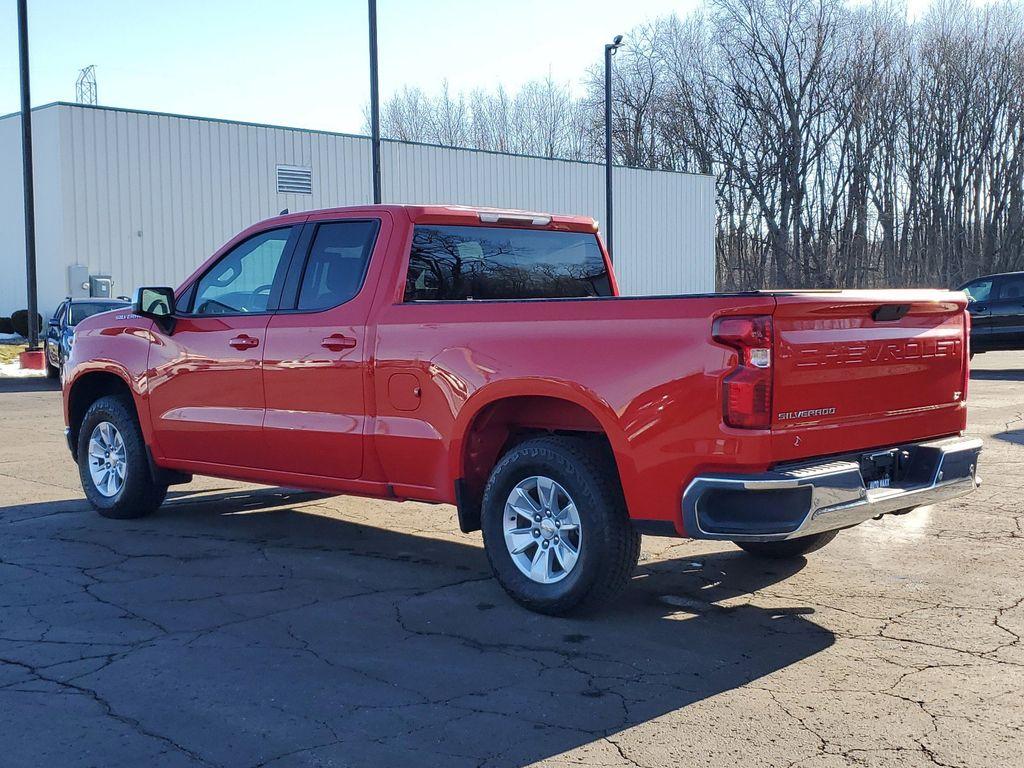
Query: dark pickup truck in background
x,y
997,312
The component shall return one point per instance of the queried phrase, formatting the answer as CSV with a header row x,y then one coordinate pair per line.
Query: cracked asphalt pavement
x,y
247,626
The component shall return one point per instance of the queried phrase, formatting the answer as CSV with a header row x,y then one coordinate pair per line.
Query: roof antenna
x,y
85,86
282,213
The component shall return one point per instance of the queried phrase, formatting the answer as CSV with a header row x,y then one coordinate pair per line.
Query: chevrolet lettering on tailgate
x,y
837,354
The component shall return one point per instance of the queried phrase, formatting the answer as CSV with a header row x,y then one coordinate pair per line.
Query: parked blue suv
x,y
61,331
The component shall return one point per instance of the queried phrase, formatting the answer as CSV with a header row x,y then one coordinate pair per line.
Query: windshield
x,y
80,311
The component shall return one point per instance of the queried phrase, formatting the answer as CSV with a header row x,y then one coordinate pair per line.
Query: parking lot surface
x,y
247,626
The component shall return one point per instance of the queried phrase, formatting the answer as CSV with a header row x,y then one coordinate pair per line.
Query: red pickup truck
x,y
483,358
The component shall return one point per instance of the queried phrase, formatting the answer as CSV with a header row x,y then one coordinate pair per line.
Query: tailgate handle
x,y
889,312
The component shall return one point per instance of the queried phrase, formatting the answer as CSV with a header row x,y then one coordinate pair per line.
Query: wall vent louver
x,y
292,179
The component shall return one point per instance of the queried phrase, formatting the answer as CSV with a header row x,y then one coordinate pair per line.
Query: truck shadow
x,y
997,374
318,640
28,384
1015,436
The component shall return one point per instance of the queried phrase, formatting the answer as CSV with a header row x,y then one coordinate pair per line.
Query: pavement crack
x,y
110,712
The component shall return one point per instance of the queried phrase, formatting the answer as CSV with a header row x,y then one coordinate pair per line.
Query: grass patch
x,y
9,352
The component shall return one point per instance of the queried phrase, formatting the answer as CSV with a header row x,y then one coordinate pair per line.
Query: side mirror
x,y
54,322
156,304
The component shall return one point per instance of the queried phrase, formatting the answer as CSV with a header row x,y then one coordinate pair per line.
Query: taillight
x,y
967,357
747,389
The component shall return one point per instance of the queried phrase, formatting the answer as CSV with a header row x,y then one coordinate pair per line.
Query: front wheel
x,y
781,550
555,526
112,462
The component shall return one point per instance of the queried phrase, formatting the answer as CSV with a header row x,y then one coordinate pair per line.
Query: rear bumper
x,y
812,497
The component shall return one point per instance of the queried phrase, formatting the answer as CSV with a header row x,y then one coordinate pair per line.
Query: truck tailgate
x,y
862,369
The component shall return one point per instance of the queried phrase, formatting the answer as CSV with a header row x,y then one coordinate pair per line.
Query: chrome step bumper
x,y
802,499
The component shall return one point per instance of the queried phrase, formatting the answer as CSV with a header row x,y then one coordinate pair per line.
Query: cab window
x,y
1011,288
465,263
242,280
336,265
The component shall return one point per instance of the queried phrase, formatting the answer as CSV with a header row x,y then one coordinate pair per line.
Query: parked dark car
x,y
997,311
60,332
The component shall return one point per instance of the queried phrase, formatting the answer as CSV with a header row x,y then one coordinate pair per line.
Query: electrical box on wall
x,y
101,286
78,281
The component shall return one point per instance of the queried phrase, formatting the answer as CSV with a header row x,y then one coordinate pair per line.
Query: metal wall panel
x,y
51,270
154,195
664,232
146,197
664,222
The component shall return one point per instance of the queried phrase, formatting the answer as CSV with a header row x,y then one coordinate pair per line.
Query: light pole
x,y
609,51
26,163
374,104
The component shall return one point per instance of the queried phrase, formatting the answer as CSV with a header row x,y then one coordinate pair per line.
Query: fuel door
x,y
404,391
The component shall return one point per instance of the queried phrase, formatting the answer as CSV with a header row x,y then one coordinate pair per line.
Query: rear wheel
x,y
780,550
555,526
112,461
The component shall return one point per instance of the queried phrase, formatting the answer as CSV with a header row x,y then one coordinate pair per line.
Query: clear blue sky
x,y
302,63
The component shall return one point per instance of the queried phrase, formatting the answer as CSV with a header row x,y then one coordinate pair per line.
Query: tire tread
x,y
594,468
140,495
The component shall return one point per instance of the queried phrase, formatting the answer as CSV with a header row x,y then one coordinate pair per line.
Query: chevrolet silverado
x,y
483,358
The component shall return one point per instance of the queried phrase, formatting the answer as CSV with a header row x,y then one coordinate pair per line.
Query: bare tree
x,y
850,147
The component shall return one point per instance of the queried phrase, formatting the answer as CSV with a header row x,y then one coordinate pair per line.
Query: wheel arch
x,y
88,387
499,416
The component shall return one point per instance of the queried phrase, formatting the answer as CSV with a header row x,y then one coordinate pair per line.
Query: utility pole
x,y
26,162
374,104
609,51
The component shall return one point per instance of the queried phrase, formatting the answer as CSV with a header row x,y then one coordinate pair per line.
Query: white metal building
x,y
144,197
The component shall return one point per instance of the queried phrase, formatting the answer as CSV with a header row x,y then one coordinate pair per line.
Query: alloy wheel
x,y
108,459
542,529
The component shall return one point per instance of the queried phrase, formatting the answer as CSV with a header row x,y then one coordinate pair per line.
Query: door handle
x,y
242,341
337,342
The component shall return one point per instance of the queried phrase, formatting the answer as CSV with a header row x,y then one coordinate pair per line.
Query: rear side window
x,y
1011,288
337,263
465,263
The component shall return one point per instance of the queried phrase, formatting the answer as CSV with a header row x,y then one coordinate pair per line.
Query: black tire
x,y
52,371
139,495
609,547
783,550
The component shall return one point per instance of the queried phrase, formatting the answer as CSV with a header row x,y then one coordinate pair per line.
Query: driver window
x,y
979,290
241,281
